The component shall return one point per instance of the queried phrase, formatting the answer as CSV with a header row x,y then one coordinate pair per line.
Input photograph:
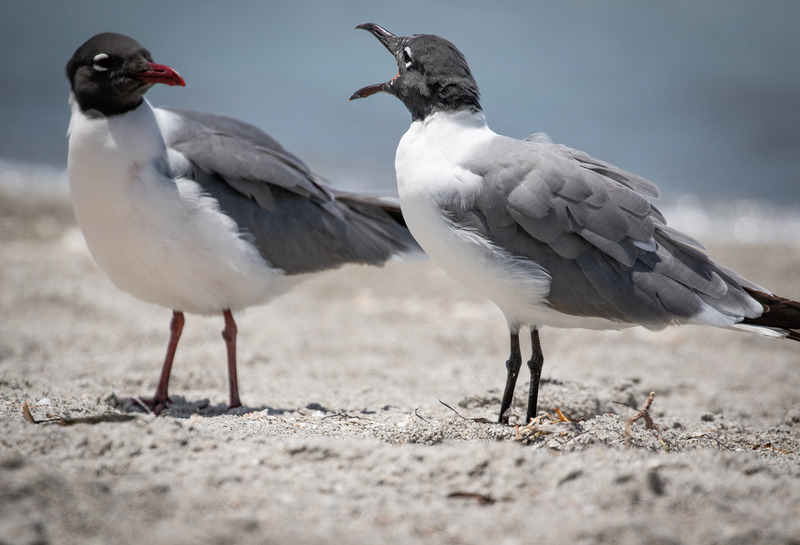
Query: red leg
x,y
159,401
229,334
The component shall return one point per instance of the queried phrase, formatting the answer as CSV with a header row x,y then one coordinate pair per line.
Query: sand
x,y
345,438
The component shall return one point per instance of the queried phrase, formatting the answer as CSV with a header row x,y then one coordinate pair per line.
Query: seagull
x,y
553,236
198,212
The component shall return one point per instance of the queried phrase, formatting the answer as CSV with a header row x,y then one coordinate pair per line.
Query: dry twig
x,y
61,421
769,446
416,413
546,424
648,422
481,499
479,420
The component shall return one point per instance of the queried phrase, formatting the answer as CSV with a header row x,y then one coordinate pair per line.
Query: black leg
x,y
535,365
513,366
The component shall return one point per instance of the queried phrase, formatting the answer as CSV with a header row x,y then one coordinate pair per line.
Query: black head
x,y
434,76
110,73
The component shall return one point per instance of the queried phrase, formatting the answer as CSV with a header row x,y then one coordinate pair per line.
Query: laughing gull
x,y
198,212
551,235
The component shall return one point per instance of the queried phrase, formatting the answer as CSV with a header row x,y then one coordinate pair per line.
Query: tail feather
x,y
385,220
388,204
779,313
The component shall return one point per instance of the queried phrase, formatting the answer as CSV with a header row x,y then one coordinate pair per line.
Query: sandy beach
x,y
345,436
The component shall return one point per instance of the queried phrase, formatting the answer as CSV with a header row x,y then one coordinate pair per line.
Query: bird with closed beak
x,y
198,212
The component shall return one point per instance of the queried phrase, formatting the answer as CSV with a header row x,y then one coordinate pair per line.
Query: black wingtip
x,y
779,313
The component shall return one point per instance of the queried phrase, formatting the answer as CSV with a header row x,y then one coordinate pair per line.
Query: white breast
x,y
428,176
158,238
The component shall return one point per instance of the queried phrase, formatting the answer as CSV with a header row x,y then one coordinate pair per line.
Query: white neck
x,y
107,154
432,148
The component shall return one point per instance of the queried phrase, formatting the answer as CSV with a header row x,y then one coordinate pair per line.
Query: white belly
x,y
428,174
518,287
159,239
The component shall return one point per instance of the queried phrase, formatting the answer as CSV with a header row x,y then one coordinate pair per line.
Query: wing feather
x,y
594,230
297,223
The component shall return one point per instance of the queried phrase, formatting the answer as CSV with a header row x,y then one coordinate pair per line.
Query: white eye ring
x,y
408,56
98,59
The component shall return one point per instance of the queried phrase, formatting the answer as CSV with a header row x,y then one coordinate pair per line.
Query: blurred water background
x,y
701,97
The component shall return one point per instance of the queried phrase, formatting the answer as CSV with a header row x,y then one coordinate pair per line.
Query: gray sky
x,y
699,97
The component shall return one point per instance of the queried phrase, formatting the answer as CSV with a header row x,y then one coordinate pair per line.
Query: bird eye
x,y
101,62
407,57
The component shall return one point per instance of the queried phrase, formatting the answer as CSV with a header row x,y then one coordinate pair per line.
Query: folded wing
x,y
296,221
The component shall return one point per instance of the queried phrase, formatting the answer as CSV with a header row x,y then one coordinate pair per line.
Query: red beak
x,y
160,73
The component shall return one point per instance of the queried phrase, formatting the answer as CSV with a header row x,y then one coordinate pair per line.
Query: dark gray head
x,y
110,73
434,76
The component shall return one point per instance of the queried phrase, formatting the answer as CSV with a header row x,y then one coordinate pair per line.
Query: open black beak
x,y
392,43
388,39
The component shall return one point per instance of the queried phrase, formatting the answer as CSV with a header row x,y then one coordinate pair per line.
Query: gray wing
x,y
296,222
591,226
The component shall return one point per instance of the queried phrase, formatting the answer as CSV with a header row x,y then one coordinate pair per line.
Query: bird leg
x,y
159,402
513,366
229,334
535,365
